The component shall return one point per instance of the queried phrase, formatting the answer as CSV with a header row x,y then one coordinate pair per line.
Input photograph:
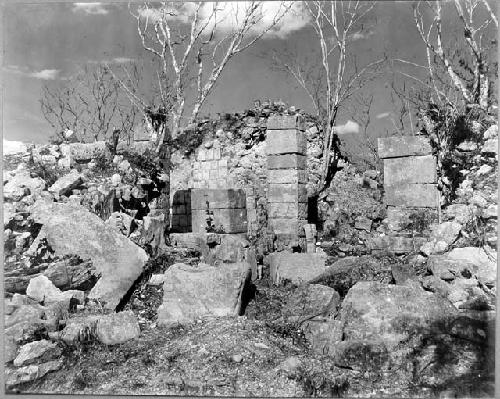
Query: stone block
x,y
283,122
418,169
287,226
286,161
182,197
194,241
218,199
285,142
287,193
397,245
395,147
293,210
412,195
231,220
88,151
287,176
295,267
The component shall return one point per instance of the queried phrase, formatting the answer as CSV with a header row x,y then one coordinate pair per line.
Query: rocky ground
x,y
217,314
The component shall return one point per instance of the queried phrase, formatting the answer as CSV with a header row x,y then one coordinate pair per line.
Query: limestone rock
x,y
192,292
480,264
22,184
32,372
117,328
346,272
311,300
490,146
43,290
65,184
72,230
363,223
37,351
295,267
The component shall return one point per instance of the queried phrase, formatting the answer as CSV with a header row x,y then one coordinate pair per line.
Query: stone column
x,y
287,194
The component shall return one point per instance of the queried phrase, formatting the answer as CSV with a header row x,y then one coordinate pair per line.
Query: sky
x,y
46,43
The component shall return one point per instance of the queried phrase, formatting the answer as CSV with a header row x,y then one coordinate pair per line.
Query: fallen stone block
x,y
363,223
41,289
410,170
89,151
16,376
397,245
22,184
295,267
395,147
194,292
117,328
65,184
72,230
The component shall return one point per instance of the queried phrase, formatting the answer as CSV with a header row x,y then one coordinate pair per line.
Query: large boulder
x,y
72,230
193,292
346,272
117,328
481,264
16,376
295,267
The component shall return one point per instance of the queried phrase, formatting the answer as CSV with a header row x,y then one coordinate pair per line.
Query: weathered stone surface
x,y
37,351
285,142
287,226
79,329
195,241
32,372
10,348
398,245
412,195
71,229
193,292
397,219
287,176
480,264
117,328
392,313
286,161
311,301
281,193
230,220
24,313
346,272
295,267
66,183
363,223
490,146
43,290
88,151
218,199
395,147
297,210
22,184
280,122
121,222
462,213
421,169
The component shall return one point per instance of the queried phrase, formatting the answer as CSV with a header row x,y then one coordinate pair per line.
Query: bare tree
x,y
193,49
460,77
340,75
89,104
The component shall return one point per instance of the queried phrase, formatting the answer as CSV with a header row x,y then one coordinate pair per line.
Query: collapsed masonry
x,y
214,203
410,187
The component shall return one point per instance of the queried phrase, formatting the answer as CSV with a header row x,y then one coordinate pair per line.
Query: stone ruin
x,y
410,186
213,202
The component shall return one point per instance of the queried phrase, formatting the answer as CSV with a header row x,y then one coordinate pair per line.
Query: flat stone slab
x,y
418,169
73,230
66,183
398,245
295,267
287,176
412,195
395,147
286,192
195,292
286,161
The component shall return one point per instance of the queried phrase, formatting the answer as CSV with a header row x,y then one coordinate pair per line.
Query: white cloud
x,y
383,115
230,13
349,127
90,8
44,74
